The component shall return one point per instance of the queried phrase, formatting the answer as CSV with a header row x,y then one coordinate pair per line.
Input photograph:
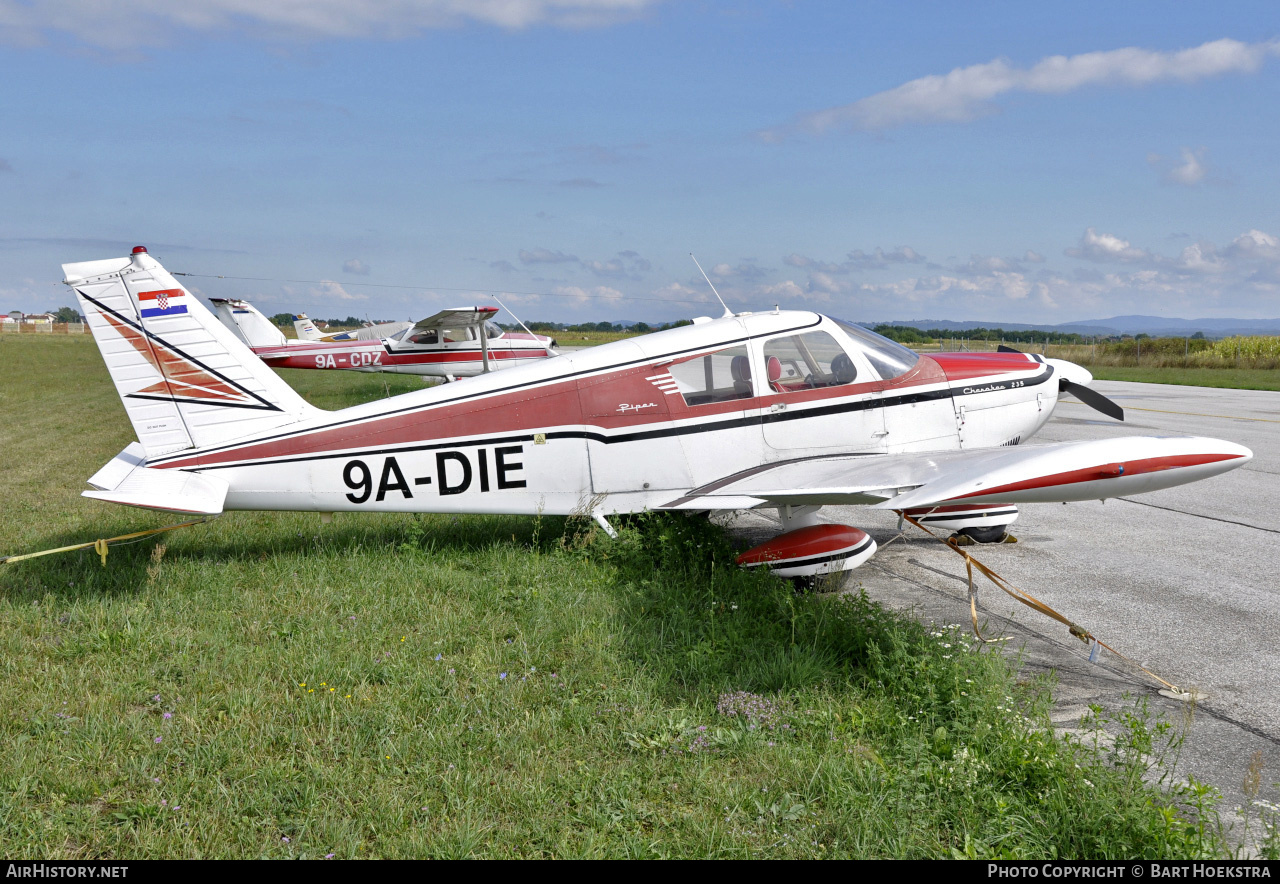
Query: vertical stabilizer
x,y
306,329
185,379
248,323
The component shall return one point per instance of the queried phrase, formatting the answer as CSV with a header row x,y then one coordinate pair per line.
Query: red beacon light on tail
x,y
139,250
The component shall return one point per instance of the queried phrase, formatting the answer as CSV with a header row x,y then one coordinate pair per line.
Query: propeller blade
x,y
1091,398
1003,349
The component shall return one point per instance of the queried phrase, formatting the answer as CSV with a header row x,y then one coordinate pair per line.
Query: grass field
x,y
400,686
1233,378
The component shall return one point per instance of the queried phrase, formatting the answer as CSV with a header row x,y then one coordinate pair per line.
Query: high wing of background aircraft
x,y
785,410
454,343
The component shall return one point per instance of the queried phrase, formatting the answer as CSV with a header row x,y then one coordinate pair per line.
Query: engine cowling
x,y
811,551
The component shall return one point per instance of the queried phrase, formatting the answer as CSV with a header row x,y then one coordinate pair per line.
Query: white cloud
x,y
546,256
1096,246
968,93
330,289
595,294
135,23
356,266
1033,257
1189,172
1256,244
857,260
1201,258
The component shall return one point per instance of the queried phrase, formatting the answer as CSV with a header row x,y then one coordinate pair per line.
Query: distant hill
x,y
1156,326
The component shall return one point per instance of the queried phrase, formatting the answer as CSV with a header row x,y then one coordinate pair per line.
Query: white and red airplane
x,y
786,410
454,343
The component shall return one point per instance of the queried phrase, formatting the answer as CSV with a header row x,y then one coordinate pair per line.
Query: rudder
x,y
186,381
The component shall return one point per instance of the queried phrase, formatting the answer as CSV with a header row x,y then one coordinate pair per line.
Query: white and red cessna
x,y
455,343
788,410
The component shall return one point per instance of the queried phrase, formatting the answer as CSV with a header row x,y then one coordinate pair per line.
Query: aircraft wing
x,y
456,317
1057,472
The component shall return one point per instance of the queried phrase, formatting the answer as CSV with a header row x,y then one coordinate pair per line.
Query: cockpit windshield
x,y
491,330
888,358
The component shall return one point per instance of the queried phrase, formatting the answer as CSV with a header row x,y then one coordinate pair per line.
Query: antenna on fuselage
x,y
727,311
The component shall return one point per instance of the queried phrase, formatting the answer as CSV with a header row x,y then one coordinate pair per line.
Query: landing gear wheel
x,y
989,534
833,582
804,585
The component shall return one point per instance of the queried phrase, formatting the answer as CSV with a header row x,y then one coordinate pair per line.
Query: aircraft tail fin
x,y
306,329
185,379
248,323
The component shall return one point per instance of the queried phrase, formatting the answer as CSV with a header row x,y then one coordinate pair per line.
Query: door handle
x,y
777,407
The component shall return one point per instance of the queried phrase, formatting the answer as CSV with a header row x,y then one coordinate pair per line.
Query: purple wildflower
x,y
168,715
501,676
753,709
158,739
439,657
328,856
285,839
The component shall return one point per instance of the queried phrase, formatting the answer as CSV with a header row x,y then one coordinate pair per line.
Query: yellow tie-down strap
x,y
102,545
1030,601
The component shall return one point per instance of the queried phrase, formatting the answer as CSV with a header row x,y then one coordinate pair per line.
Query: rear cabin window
x,y
444,335
807,362
716,377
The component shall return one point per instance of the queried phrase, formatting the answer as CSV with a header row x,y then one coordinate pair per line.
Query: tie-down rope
x,y
100,546
1027,599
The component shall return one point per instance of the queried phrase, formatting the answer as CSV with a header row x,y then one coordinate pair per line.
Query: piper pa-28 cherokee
x,y
789,410
455,343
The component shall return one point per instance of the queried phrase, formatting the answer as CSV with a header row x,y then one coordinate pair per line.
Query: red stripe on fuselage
x,y
591,401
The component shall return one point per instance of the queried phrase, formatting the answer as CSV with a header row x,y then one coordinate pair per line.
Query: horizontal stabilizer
x,y
118,468
171,490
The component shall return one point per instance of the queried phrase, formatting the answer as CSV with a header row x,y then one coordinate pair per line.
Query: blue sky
x,y
1003,162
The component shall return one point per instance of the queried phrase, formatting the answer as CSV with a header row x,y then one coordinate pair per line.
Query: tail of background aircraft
x,y
186,380
306,329
248,323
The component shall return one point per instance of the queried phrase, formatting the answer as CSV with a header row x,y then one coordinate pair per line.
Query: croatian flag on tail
x,y
167,302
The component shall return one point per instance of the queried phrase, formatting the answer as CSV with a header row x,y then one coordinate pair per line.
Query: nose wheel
x,y
986,534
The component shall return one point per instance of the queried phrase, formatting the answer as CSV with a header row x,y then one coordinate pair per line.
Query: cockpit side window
x,y
807,362
492,330
714,377
889,359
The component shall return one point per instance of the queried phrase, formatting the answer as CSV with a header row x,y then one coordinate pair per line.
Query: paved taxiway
x,y
1183,580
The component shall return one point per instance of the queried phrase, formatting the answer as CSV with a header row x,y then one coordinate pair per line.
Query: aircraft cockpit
x,y
792,362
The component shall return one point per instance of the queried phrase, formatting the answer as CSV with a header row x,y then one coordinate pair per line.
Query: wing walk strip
x,y
1031,602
